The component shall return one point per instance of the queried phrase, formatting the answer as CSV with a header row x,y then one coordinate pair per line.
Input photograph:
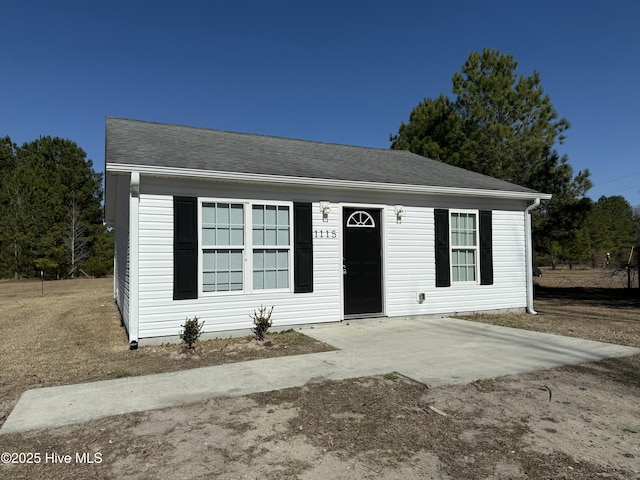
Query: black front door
x,y
362,261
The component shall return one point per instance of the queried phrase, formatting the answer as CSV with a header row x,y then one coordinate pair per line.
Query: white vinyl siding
x,y
161,316
408,252
410,263
410,268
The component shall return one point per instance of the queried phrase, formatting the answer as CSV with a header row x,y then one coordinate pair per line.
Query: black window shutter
x,y
486,248
443,270
302,248
185,248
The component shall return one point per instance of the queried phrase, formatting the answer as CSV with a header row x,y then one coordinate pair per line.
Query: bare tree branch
x,y
74,239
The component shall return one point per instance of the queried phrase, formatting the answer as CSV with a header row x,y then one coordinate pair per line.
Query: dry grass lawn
x,y
574,422
587,304
72,334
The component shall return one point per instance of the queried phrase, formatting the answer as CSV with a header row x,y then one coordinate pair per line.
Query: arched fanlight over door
x,y
361,219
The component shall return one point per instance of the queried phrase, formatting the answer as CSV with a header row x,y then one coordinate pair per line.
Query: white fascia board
x,y
320,182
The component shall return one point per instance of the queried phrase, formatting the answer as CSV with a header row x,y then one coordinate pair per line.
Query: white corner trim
x,y
320,182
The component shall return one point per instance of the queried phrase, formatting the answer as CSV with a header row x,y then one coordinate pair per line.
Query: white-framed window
x,y
245,246
223,246
271,227
464,246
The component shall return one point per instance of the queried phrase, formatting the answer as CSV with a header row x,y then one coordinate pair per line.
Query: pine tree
x,y
40,181
502,124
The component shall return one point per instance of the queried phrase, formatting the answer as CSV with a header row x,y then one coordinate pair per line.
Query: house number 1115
x,y
325,234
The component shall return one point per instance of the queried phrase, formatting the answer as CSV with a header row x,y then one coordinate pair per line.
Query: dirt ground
x,y
574,422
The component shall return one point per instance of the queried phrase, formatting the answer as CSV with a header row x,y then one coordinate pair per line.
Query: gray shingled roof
x,y
148,144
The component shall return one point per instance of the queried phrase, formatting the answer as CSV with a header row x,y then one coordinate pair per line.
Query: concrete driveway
x,y
444,351
431,350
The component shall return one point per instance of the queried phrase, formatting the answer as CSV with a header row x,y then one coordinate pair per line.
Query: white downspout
x,y
529,254
134,281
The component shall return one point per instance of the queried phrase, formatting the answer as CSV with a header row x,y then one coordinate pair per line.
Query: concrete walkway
x,y
434,351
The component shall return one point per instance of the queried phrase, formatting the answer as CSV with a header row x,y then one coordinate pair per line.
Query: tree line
x,y
608,234
501,123
51,211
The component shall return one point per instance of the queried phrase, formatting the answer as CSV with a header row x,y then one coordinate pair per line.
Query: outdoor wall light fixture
x,y
325,208
399,213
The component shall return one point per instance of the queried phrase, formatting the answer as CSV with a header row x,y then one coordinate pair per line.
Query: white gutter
x,y
529,255
116,168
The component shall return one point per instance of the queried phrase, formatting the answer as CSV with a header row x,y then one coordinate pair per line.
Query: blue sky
x,y
342,72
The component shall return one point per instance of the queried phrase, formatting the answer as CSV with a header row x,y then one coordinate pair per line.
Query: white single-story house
x,y
214,224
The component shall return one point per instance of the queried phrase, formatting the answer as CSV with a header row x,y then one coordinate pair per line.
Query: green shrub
x,y
191,331
261,321
391,377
